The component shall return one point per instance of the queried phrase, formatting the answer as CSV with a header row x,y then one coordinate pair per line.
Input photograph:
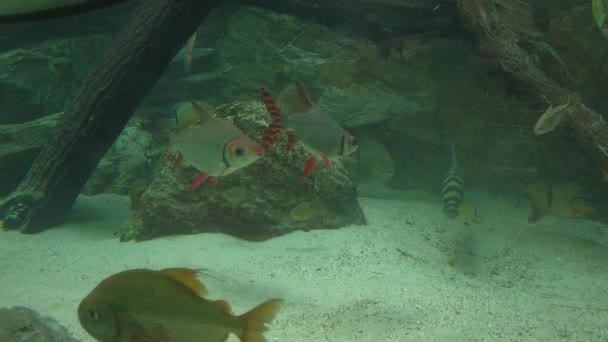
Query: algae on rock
x,y
272,185
42,80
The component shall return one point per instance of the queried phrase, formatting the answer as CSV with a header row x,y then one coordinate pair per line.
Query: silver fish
x,y
320,134
214,147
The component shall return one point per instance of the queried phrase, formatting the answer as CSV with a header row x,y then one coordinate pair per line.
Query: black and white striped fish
x,y
453,187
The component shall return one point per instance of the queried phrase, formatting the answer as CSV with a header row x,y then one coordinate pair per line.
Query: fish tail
x,y
452,191
257,318
274,129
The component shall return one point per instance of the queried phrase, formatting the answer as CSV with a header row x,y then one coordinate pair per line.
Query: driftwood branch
x,y
590,126
140,55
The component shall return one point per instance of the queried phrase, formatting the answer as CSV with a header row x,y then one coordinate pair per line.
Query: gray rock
x,y
20,324
254,48
360,105
43,79
254,202
19,146
128,163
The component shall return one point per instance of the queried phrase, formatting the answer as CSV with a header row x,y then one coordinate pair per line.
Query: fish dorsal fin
x,y
187,277
223,306
293,99
202,110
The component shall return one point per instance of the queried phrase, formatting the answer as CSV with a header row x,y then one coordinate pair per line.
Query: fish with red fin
x,y
318,132
166,305
214,147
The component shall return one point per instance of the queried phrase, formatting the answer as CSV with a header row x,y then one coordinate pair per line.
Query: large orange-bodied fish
x,y
214,147
166,306
320,134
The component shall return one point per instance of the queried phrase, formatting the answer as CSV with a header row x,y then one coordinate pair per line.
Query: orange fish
x,y
562,200
214,147
320,134
144,305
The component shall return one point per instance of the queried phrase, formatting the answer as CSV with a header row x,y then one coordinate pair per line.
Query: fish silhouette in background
x,y
166,305
561,200
453,187
318,132
214,147
17,11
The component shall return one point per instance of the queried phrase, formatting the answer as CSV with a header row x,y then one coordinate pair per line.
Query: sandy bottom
x,y
410,275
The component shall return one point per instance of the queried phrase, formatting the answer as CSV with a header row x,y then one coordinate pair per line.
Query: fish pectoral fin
x,y
200,179
327,163
223,306
188,278
257,318
311,162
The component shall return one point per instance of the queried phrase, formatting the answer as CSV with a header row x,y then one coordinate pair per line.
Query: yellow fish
x,y
550,119
146,305
562,200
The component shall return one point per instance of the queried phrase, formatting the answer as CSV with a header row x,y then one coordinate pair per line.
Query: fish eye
x,y
239,151
93,315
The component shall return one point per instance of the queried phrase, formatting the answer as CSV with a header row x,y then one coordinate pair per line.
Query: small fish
x,y
561,200
214,147
550,119
320,134
453,187
302,212
187,117
18,11
469,212
167,305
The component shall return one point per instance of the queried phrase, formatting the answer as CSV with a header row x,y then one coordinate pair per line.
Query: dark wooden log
x,y
142,52
590,126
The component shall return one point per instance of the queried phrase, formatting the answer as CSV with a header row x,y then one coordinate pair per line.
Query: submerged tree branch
x,y
590,126
140,55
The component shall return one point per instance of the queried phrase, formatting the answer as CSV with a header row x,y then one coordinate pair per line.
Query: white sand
x,y
501,280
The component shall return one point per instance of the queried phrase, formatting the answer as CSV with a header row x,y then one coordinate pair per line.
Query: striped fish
x,y
214,147
318,132
453,187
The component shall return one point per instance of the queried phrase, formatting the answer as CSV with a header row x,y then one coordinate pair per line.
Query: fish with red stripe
x,y
309,124
214,147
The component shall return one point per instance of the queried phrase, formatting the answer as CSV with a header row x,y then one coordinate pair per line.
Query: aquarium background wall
x,y
366,250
